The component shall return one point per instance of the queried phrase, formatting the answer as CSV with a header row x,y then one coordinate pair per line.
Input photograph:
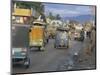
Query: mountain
x,y
81,18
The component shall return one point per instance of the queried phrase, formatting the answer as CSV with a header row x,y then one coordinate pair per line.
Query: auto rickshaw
x,y
61,38
79,35
20,46
37,36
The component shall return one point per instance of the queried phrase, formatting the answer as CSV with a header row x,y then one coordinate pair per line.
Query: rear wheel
x,y
82,38
67,46
41,48
27,63
54,46
74,38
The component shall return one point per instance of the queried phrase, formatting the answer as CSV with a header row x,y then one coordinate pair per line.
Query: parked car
x,y
61,38
20,46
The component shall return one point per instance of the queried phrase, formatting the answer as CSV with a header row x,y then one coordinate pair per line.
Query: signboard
x,y
22,12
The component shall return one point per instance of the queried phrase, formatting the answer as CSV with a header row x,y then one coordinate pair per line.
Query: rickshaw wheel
x,y
41,48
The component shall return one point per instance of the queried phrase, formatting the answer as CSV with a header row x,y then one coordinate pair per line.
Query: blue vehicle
x,y
20,50
61,38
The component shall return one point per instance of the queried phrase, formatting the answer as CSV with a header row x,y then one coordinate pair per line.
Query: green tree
x,y
51,16
58,17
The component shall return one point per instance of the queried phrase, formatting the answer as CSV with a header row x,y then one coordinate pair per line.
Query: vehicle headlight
x,y
23,53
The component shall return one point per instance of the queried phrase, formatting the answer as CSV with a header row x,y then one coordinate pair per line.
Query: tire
x,y
67,46
41,48
74,38
82,39
54,46
27,63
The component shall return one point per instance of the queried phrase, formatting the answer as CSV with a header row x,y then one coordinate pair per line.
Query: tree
x,y
73,22
58,17
51,16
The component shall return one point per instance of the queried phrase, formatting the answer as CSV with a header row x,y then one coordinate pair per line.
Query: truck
x,y
20,46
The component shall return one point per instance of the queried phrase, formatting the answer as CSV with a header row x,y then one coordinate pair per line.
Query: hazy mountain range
x,y
81,18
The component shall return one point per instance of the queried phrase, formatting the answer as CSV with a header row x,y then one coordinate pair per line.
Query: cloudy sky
x,y
67,10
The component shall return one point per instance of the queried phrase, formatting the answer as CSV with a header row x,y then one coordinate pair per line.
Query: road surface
x,y
52,59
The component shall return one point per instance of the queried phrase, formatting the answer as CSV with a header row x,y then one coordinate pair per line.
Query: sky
x,y
67,10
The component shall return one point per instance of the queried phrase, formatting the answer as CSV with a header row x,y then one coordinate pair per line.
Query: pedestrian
x,y
42,17
91,42
82,35
93,38
89,34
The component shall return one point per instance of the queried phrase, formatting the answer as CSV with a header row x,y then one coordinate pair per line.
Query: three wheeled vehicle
x,y
20,46
37,35
61,38
79,35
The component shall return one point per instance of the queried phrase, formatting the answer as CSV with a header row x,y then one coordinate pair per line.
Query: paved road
x,y
51,59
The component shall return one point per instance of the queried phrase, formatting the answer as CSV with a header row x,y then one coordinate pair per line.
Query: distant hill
x,y
81,18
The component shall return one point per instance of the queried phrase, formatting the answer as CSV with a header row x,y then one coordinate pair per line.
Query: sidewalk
x,y
85,60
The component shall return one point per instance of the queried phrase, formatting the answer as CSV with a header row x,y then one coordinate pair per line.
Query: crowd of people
x,y
91,38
